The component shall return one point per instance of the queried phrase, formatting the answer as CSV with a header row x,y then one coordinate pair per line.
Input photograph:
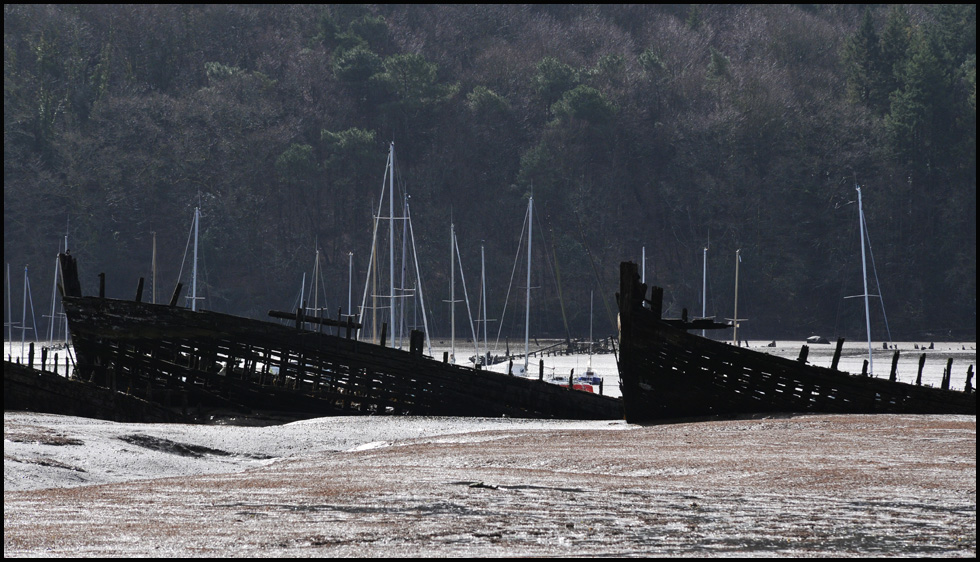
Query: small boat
x,y
666,372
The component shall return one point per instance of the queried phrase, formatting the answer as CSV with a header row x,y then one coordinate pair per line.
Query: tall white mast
x,y
527,300
10,320
54,295
23,317
391,242
197,220
643,266
738,258
704,287
350,280
483,292
864,270
452,292
591,298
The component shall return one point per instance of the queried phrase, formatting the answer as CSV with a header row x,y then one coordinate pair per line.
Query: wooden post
x,y
922,363
571,377
176,295
445,357
510,367
541,370
384,333
804,351
969,379
864,369
947,373
894,374
44,357
416,342
836,361
139,291
30,356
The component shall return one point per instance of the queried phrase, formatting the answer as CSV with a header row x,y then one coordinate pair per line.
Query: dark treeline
x,y
663,129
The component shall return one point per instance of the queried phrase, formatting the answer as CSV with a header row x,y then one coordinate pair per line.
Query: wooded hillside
x,y
666,128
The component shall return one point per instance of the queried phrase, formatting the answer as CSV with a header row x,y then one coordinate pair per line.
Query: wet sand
x,y
780,486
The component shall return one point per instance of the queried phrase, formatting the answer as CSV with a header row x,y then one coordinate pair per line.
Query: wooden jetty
x,y
311,367
667,372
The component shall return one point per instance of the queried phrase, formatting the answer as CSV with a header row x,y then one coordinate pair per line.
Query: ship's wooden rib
x,y
667,373
224,361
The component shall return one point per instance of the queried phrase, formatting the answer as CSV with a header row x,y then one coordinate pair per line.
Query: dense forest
x,y
673,134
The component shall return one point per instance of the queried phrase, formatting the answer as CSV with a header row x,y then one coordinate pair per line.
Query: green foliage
x,y
652,62
862,61
216,71
411,83
719,66
659,126
373,30
586,103
296,164
553,79
486,102
356,66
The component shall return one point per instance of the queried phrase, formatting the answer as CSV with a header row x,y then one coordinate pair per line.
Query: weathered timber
x,y
32,390
320,320
668,373
228,362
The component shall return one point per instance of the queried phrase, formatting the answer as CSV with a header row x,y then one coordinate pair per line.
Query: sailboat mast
x,y
10,320
391,242
591,299
527,300
452,292
197,220
643,266
483,292
153,267
704,287
23,317
864,271
54,294
404,266
738,258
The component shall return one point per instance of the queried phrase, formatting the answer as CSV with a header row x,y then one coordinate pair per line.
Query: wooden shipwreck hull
x,y
666,373
207,360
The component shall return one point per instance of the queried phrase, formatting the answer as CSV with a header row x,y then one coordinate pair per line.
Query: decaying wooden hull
x,y
666,373
213,360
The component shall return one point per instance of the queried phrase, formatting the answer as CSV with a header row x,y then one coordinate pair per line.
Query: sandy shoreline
x,y
816,485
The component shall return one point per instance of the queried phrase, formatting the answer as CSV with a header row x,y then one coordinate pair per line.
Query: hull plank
x,y
667,372
217,361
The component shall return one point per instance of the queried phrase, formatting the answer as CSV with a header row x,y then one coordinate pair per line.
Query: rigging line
x,y
595,272
187,246
556,274
875,269
418,277
30,295
374,237
459,259
520,246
